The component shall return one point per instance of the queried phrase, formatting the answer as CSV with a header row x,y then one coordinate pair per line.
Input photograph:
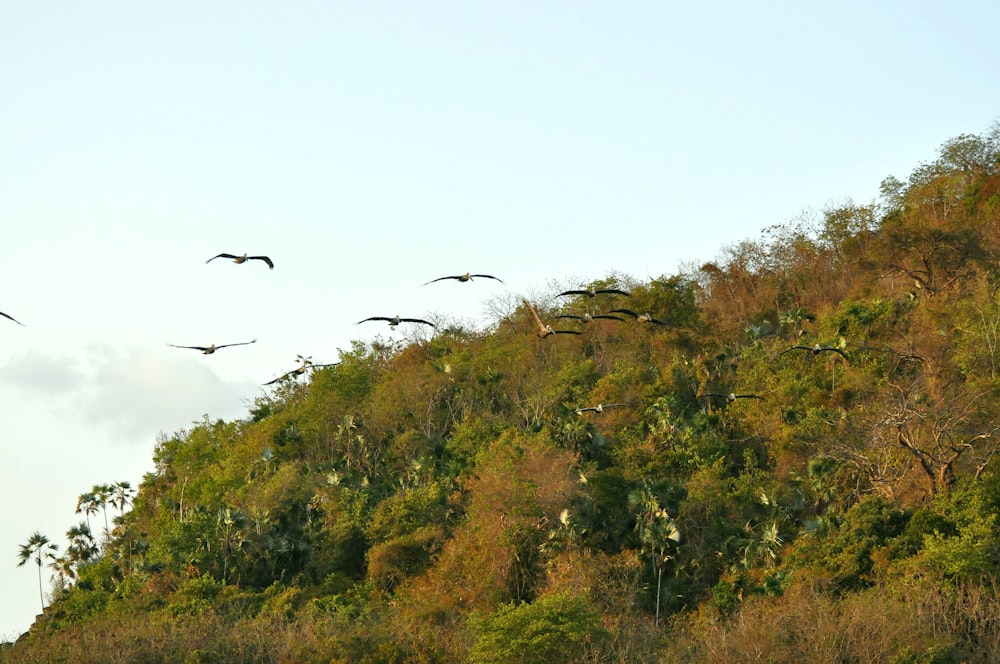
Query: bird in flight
x,y
305,365
642,318
590,318
462,278
243,259
11,318
208,350
543,329
731,397
599,408
396,320
594,292
817,349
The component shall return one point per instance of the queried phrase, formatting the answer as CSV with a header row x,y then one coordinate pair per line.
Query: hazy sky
x,y
370,147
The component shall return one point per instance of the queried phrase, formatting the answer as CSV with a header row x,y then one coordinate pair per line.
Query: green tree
x,y
553,628
39,548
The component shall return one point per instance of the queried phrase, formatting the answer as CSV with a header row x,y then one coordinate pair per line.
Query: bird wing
x,y
627,312
443,278
538,319
573,292
385,318
607,316
8,316
488,276
584,410
657,321
748,396
241,343
221,256
566,332
614,291
281,377
835,350
572,316
270,263
416,320
201,348
795,348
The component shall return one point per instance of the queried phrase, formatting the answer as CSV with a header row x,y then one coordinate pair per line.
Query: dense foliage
x,y
442,500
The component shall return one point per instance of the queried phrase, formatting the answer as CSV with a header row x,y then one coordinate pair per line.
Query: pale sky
x,y
370,147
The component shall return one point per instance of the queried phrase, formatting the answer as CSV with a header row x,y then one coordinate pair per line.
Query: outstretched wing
x,y
834,349
566,332
385,318
221,256
270,263
788,350
8,316
627,312
613,291
488,276
241,343
201,348
574,292
443,278
281,377
416,320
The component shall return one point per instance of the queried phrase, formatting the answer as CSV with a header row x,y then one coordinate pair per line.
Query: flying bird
x,y
543,329
817,349
396,320
590,318
599,408
594,292
306,364
208,350
731,397
12,318
642,318
462,278
243,259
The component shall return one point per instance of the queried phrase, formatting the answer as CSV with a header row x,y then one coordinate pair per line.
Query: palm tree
x,y
37,548
81,543
656,529
87,504
121,495
102,494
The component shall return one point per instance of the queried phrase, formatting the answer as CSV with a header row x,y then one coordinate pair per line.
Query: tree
x,y
656,530
38,548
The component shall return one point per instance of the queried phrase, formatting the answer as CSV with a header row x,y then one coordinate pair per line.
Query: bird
x,y
208,350
642,318
599,408
817,349
462,278
731,397
243,259
590,318
594,292
543,329
12,318
396,320
298,371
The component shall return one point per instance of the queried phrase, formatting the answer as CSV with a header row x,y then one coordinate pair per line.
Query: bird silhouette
x,y
590,318
817,349
243,259
594,292
462,278
208,350
642,318
599,408
543,329
396,320
306,364
8,316
731,397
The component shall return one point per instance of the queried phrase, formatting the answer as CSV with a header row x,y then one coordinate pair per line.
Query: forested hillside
x,y
786,454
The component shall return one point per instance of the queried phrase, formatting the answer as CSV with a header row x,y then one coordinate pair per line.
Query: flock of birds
x,y
543,329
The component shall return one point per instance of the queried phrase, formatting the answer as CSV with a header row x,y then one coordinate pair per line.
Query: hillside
x,y
794,457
